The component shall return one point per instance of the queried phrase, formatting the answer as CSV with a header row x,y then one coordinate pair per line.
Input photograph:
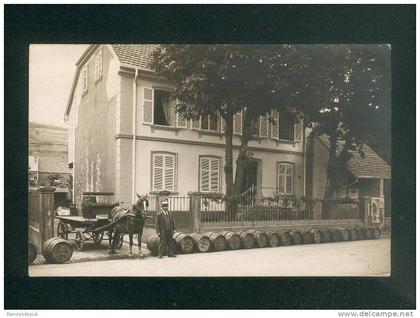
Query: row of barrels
x,y
228,240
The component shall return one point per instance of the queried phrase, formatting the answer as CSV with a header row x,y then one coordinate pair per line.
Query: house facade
x,y
365,175
126,138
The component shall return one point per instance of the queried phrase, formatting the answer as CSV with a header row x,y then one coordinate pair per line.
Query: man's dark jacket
x,y
161,223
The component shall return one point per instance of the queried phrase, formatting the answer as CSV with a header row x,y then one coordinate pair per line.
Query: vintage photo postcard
x,y
151,160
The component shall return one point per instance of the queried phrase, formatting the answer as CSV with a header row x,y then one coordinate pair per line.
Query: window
x,y
98,65
164,110
210,176
85,79
285,178
209,122
286,127
163,171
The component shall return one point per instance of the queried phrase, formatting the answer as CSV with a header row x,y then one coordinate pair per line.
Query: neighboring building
x,y
365,175
125,137
48,163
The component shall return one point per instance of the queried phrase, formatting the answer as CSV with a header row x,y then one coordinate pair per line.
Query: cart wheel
x,y
119,243
97,237
62,230
79,241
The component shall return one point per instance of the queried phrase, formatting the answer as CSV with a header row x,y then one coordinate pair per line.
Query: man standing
x,y
165,228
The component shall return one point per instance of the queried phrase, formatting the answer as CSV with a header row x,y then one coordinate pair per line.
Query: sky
x,y
51,72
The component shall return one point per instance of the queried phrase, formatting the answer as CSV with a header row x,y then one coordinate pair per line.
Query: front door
x,y
251,175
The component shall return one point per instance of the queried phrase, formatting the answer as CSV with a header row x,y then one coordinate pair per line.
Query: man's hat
x,y
164,203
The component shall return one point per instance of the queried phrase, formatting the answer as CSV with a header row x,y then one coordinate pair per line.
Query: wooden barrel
x,y
218,241
335,235
31,253
296,237
184,242
326,235
316,235
361,233
57,250
344,234
260,238
233,240
369,233
376,233
284,237
153,244
202,242
306,236
247,239
273,239
352,234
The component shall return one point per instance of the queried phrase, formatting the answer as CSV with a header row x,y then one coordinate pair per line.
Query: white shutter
x,y
195,124
237,123
169,171
222,125
214,176
181,122
158,172
263,126
148,105
298,131
204,174
275,125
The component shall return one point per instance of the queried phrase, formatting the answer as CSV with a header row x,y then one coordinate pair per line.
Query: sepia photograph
x,y
212,157
209,160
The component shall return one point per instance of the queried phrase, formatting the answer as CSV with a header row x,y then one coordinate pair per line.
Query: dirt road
x,y
358,258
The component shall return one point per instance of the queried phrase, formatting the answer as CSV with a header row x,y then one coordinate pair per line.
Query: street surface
x,y
357,258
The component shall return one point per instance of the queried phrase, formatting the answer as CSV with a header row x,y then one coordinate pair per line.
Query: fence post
x,y
195,208
46,216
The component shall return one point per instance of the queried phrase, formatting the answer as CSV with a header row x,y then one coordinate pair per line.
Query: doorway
x,y
251,175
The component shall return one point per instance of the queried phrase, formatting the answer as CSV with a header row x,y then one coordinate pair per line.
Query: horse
x,y
128,221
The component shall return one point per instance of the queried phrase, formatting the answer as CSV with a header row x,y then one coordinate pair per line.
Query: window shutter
x,y
148,105
158,172
222,125
169,169
205,174
298,132
263,126
214,168
181,122
195,124
275,125
237,123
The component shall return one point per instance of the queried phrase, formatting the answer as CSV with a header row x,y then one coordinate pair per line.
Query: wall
x,y
94,121
188,165
368,187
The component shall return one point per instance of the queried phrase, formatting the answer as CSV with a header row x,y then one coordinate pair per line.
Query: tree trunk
x,y
331,175
228,168
243,154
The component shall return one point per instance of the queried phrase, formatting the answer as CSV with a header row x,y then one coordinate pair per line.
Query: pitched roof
x,y
366,165
138,55
52,164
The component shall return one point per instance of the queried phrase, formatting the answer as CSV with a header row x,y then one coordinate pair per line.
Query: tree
x,y
224,80
349,86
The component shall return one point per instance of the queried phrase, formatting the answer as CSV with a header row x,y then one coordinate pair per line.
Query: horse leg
x,y
130,235
140,234
115,239
111,245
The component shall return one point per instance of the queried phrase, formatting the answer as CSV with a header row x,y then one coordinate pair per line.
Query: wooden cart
x,y
84,229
